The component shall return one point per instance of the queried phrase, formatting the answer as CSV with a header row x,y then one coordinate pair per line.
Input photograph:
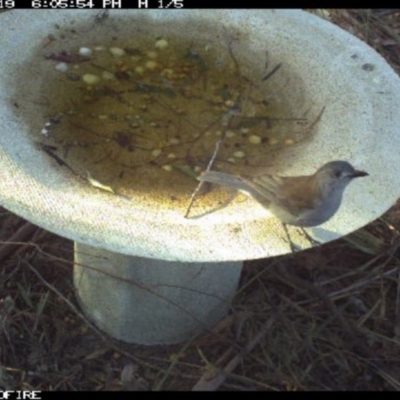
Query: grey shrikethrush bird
x,y
303,201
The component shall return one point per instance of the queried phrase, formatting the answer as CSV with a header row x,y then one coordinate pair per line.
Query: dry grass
x,y
326,319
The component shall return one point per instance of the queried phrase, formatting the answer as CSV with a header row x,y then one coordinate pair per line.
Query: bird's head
x,y
336,175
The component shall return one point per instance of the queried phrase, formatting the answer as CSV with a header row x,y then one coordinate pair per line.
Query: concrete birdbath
x,y
106,119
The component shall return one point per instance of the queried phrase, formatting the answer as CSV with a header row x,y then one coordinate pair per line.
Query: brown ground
x,y
326,319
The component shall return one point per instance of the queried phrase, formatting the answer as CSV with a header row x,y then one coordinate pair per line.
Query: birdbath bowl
x,y
306,93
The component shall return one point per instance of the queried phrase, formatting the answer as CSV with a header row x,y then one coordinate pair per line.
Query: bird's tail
x,y
262,194
224,179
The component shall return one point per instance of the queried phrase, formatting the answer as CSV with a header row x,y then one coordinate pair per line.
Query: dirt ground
x,y
326,319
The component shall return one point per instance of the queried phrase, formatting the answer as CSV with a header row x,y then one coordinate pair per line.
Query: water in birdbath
x,y
145,114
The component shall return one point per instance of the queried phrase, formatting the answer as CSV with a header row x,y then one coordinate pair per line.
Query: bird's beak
x,y
358,174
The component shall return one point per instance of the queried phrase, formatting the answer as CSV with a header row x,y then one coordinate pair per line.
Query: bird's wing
x,y
298,194
265,186
284,195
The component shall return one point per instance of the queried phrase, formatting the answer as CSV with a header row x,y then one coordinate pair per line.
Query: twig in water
x,y
269,74
199,186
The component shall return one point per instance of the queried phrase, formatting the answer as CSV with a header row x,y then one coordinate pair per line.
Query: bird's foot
x,y
311,240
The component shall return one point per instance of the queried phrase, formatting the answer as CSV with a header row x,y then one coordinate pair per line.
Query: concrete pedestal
x,y
149,301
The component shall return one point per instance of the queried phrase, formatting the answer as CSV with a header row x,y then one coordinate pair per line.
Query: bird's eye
x,y
337,174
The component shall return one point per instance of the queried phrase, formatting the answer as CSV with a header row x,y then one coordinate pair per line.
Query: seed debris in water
x,y
254,139
117,51
239,154
98,184
183,99
139,70
91,79
62,67
156,152
161,44
151,65
85,52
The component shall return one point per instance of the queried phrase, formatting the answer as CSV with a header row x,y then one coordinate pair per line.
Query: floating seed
x,y
167,167
90,79
117,51
239,154
161,44
85,51
62,67
254,139
156,152
151,65
139,70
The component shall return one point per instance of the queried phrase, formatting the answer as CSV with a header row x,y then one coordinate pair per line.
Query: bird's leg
x,y
293,247
312,241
